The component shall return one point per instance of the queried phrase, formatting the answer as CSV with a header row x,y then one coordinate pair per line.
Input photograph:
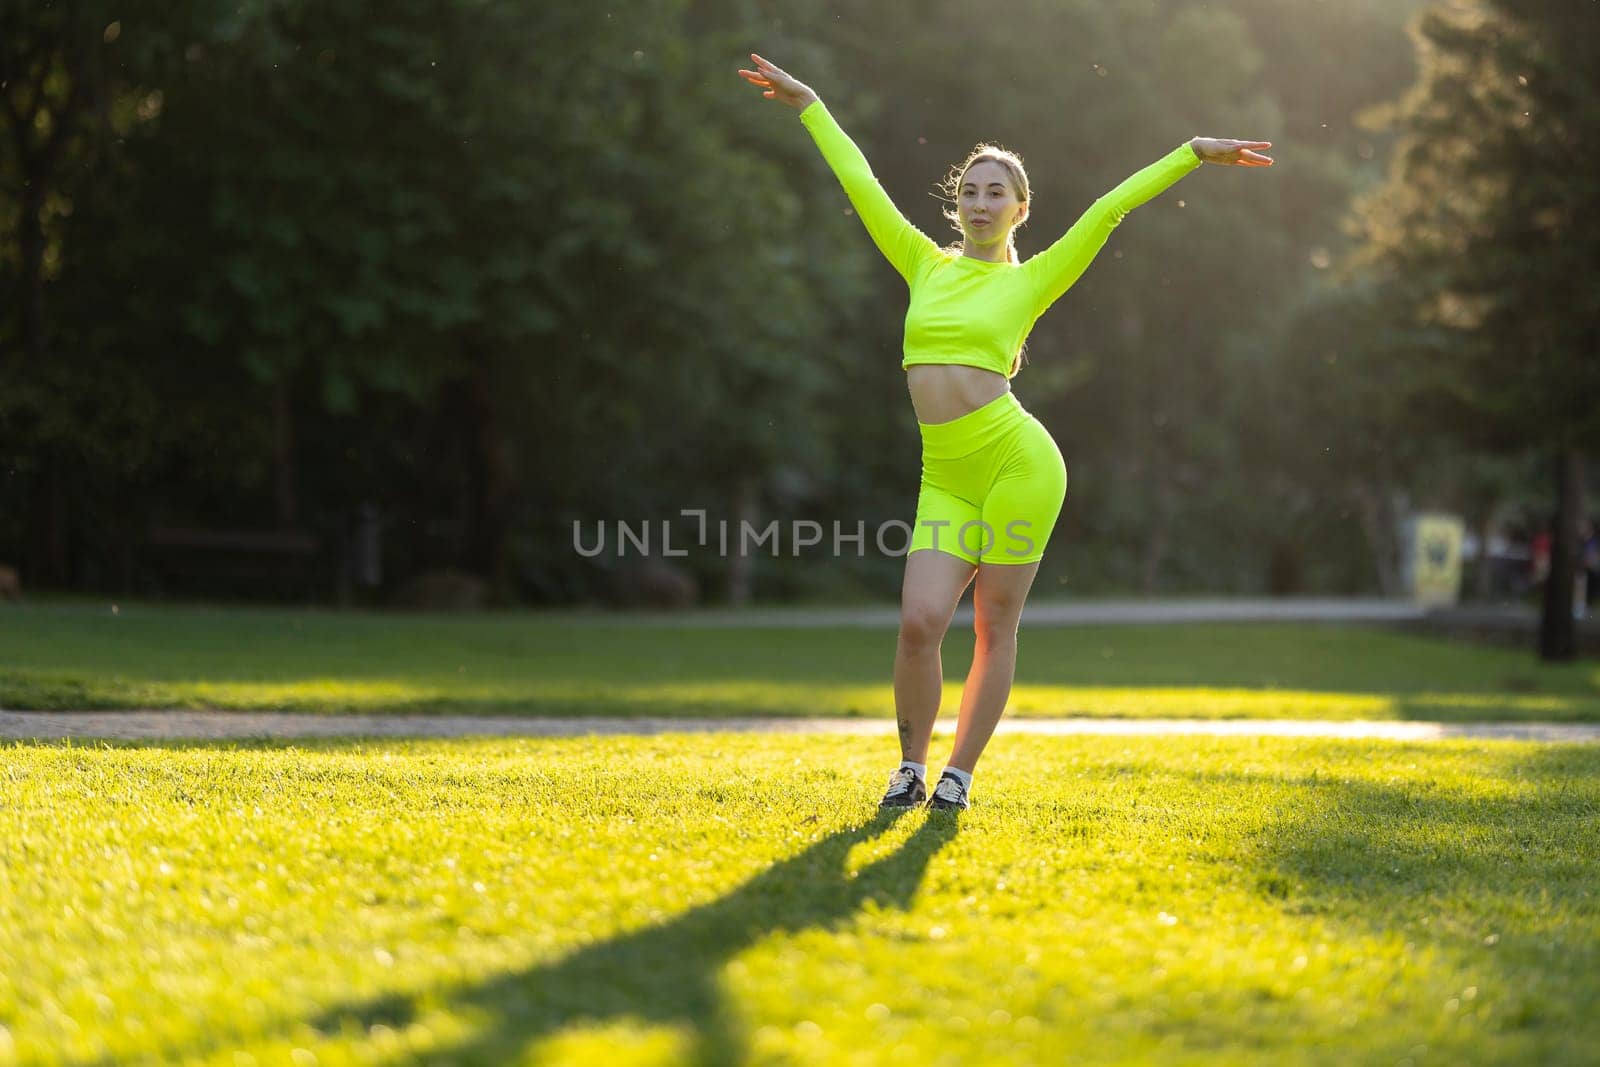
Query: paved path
x,y
249,725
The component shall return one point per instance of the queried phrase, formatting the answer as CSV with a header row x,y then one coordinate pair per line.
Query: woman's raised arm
x,y
901,243
1055,269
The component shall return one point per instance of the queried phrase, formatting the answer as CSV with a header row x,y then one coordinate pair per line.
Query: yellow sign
x,y
1436,559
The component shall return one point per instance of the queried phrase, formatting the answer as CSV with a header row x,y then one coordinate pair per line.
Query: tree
x,y
494,264
1485,229
71,89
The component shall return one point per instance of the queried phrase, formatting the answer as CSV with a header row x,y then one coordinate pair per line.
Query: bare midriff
x,y
941,392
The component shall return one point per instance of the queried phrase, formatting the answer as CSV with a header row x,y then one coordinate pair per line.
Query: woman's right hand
x,y
778,85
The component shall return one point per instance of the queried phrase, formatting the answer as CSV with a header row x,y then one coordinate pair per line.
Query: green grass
x,y
79,656
738,899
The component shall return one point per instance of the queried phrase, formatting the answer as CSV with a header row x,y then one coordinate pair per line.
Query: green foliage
x,y
508,266
1485,228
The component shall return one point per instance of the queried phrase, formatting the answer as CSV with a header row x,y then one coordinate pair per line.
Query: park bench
x,y
212,561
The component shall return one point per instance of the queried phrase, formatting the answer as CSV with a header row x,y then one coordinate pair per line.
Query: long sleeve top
x,y
966,310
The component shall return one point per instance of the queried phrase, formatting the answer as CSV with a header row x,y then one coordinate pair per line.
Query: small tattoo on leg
x,y
905,733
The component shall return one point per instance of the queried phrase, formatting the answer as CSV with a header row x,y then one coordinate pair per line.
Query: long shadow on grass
x,y
1485,880
1383,843
1499,884
669,974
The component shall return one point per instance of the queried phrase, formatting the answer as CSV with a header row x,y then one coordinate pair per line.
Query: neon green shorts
x,y
992,485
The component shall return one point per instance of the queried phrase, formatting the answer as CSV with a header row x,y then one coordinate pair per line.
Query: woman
x,y
992,478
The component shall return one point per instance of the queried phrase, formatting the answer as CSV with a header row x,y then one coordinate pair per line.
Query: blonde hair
x,y
987,153
951,188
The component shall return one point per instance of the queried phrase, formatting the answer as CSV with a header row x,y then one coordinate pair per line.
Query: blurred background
x,y
378,304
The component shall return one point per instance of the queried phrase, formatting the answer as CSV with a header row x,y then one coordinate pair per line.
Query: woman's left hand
x,y
1231,153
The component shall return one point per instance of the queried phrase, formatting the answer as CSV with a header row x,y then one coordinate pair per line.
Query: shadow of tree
x,y
1384,841
1437,896
669,974
1495,882
1486,706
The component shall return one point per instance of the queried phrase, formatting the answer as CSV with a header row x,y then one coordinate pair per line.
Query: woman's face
x,y
987,204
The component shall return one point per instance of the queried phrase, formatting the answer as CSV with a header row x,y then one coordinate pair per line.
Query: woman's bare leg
x,y
933,584
997,604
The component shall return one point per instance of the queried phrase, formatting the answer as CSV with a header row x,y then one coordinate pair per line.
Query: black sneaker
x,y
906,790
949,794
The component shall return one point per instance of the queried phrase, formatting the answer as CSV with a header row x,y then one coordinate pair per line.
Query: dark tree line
x,y
493,268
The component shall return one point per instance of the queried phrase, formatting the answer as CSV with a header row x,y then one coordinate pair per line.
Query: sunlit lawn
x,y
737,899
82,657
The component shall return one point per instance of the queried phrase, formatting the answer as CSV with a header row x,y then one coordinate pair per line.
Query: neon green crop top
x,y
970,311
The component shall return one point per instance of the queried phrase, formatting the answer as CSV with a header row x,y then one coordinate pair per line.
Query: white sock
x,y
920,768
964,777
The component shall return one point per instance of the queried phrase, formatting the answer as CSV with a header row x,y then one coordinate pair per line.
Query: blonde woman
x,y
993,480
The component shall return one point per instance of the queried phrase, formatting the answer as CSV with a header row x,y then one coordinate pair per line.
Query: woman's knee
x,y
996,630
923,624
